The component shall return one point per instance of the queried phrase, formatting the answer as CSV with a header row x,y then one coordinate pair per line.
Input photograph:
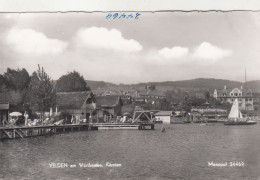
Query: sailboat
x,y
235,117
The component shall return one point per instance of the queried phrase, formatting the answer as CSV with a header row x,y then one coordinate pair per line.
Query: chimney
x,y
225,87
241,87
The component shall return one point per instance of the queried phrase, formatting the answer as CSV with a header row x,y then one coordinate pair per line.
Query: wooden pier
x,y
139,126
31,131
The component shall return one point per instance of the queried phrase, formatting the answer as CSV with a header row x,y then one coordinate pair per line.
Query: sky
x,y
158,46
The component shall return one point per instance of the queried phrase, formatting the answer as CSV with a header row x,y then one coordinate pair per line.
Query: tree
x,y
207,96
2,83
195,101
186,103
164,104
71,82
41,94
16,79
152,87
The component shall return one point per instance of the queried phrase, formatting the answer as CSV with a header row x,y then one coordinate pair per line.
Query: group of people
x,y
17,120
77,120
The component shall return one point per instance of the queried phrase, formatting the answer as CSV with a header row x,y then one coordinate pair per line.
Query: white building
x,y
245,97
164,116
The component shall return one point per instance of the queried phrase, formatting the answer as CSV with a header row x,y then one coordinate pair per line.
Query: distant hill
x,y
210,84
254,84
200,83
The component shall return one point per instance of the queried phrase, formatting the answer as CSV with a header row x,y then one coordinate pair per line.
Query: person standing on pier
x,y
26,118
72,120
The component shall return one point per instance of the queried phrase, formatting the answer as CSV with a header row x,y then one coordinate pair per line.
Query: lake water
x,y
183,151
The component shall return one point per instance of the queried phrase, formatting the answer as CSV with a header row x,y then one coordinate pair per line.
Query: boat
x,y
235,117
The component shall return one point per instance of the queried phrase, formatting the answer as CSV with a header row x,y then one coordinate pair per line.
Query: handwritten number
x,y
109,16
115,15
137,14
130,16
123,15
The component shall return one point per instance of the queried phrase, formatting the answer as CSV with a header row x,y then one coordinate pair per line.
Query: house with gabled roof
x,y
77,104
245,97
108,107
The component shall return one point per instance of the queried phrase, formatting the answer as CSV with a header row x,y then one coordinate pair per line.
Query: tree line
x,y
38,90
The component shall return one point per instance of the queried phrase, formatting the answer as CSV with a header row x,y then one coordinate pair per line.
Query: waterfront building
x,y
164,116
77,104
245,97
108,107
209,113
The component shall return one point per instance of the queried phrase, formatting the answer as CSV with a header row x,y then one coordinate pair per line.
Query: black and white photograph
x,y
130,95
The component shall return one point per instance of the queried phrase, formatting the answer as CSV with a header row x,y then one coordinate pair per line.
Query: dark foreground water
x,y
182,152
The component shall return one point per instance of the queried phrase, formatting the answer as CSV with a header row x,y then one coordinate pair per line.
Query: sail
x,y
234,112
240,115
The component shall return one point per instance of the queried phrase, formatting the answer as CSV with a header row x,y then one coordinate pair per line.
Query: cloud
x,y
29,41
207,51
175,52
96,38
205,54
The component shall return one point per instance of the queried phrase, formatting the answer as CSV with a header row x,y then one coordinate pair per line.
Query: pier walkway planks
x,y
31,131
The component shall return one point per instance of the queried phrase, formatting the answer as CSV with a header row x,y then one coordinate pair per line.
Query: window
x,y
231,94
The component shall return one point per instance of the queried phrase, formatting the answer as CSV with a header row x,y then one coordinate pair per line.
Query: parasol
x,y
126,114
15,114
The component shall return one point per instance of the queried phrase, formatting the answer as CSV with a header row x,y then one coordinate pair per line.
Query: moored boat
x,y
235,117
250,122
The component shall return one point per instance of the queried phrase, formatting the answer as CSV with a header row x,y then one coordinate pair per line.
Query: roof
x,y
164,113
74,100
13,97
108,100
245,92
4,106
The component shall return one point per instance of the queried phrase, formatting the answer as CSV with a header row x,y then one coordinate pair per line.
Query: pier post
x,y
152,126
